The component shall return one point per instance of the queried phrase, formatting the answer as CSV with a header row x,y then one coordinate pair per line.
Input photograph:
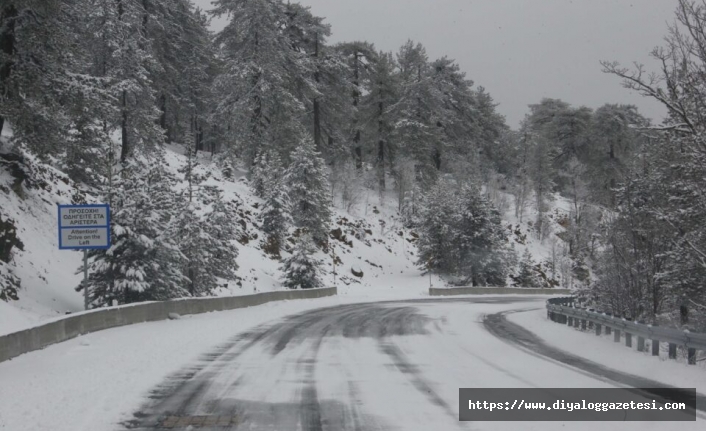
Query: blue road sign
x,y
84,227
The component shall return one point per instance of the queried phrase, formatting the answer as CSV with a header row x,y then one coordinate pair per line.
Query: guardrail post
x,y
655,347
640,343
557,312
590,322
691,353
655,344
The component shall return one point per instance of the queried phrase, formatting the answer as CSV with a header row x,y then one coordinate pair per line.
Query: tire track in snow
x,y
498,325
224,382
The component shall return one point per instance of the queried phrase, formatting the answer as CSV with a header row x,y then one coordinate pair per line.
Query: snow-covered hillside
x,y
373,253
549,252
29,193
370,251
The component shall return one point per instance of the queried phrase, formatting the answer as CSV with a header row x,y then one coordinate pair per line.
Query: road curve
x,y
499,326
379,366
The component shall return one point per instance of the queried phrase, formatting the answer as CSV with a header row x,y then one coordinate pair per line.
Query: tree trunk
x,y
317,125
381,149
358,152
146,16
163,115
357,149
190,274
125,150
683,314
317,103
437,159
197,132
7,47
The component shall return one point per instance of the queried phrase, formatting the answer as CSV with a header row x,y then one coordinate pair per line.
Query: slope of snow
x,y
369,240
551,250
47,274
385,254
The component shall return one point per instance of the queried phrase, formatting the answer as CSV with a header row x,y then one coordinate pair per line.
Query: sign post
x,y
84,227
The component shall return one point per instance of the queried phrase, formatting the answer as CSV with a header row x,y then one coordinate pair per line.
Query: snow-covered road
x,y
384,366
394,365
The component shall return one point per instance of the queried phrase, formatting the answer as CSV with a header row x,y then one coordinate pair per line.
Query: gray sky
x,y
519,50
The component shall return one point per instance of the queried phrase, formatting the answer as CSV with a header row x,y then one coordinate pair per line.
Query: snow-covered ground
x,y
48,275
614,355
92,382
384,255
99,380
383,250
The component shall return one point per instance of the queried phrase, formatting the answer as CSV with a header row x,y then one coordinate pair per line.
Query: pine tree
x,y
208,245
260,173
206,241
124,59
185,67
416,128
481,240
143,263
308,191
47,90
439,215
360,58
379,115
326,89
526,274
302,270
275,215
264,74
461,234
9,282
223,250
194,243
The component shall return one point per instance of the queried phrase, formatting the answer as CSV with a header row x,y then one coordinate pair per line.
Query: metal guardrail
x,y
71,326
469,290
566,310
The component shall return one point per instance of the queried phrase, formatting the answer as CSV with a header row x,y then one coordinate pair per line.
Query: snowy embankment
x,y
374,254
28,198
602,350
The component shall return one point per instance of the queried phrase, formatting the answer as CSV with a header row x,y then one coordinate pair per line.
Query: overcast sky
x,y
519,50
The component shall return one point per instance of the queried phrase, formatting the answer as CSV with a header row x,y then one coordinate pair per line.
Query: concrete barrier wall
x,y
72,326
495,291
